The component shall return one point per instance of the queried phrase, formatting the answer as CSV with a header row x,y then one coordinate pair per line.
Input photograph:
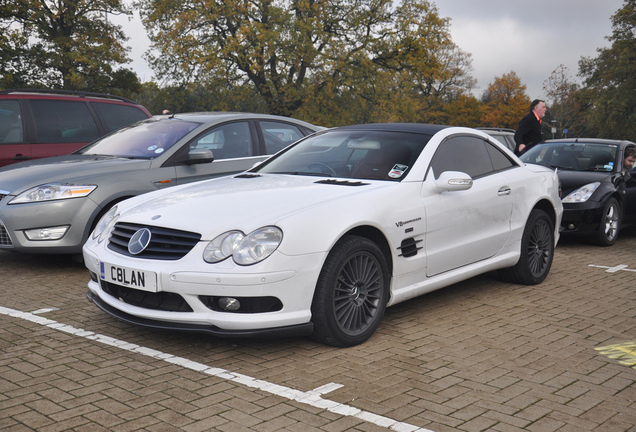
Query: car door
x,y
464,227
233,146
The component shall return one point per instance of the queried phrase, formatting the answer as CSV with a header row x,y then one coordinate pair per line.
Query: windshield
x,y
364,155
145,140
573,156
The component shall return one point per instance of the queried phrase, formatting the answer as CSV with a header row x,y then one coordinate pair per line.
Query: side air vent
x,y
409,247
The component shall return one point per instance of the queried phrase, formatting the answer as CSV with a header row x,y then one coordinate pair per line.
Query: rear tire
x,y
351,293
537,251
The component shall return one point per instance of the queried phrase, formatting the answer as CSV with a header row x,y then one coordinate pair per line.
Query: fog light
x,y
50,233
229,304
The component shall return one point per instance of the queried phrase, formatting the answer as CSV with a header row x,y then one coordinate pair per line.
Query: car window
x,y
499,160
116,116
145,140
10,122
59,121
505,139
231,140
465,154
278,135
575,156
369,155
63,121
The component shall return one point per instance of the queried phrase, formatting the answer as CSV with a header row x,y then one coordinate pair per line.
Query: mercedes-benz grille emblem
x,y
139,241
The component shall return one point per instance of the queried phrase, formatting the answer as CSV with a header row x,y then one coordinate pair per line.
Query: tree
x,y
505,102
564,106
610,94
194,97
63,44
464,110
347,56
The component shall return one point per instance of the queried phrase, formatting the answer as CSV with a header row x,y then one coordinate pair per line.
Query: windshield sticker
x,y
152,147
159,150
398,171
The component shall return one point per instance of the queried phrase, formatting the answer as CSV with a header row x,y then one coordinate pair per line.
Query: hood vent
x,y
342,182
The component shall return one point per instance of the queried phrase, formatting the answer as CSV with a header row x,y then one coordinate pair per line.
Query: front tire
x,y
610,223
537,251
351,293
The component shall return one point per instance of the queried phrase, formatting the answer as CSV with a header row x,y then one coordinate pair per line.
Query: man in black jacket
x,y
529,130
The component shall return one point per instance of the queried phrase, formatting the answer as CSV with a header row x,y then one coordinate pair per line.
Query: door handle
x,y
504,190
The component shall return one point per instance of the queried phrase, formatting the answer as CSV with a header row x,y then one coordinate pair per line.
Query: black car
x,y
598,196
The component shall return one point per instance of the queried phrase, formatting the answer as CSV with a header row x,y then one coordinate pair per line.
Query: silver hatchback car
x,y
51,205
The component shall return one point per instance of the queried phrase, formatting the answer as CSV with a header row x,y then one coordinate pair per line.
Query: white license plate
x,y
132,278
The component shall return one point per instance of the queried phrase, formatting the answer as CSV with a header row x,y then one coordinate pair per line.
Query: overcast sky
x,y
530,37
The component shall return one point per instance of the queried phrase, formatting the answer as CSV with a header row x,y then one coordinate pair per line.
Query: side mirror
x,y
451,181
199,156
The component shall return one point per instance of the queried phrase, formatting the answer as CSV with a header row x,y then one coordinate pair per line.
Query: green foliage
x,y
64,44
330,62
334,61
197,97
609,95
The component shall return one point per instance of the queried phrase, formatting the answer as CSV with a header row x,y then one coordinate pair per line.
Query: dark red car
x,y
43,123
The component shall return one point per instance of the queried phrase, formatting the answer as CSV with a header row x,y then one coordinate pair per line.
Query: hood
x,y
240,202
19,177
571,180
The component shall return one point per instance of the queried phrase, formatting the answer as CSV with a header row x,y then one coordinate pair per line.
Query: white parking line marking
x,y
312,397
43,311
613,269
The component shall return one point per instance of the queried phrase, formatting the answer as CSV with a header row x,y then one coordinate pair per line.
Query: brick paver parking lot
x,y
482,355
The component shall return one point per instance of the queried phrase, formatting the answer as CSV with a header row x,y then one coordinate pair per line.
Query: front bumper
x,y
16,219
288,331
187,292
582,218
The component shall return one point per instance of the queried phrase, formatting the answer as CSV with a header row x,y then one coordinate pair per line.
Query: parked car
x,y
50,205
43,123
597,198
323,236
503,135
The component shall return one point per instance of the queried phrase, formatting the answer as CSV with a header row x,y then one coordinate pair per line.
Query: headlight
x,y
244,249
105,224
582,194
53,191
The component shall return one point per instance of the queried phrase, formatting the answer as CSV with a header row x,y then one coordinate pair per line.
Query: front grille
x,y
163,301
5,240
165,243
